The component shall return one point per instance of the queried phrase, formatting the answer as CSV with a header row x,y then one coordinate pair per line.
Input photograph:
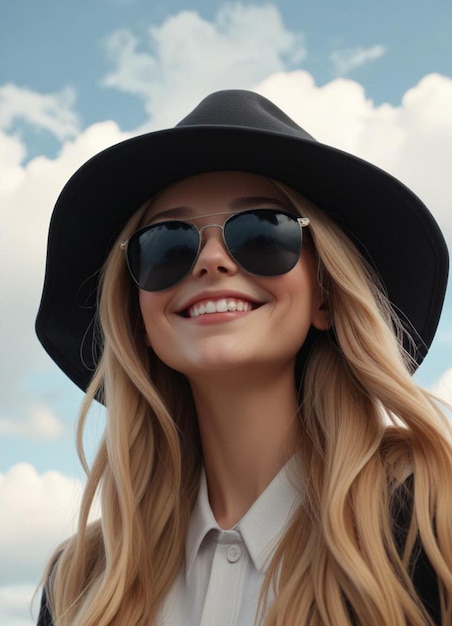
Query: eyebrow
x,y
245,202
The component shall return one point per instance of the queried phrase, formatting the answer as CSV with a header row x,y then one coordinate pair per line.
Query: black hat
x,y
239,131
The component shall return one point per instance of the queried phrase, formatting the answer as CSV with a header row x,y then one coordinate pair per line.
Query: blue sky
x,y
52,43
371,78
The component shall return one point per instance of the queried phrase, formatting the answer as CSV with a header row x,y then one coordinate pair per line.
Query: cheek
x,y
301,299
152,307
300,288
159,331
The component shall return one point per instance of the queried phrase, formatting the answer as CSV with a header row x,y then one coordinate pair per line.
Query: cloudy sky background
x,y
371,78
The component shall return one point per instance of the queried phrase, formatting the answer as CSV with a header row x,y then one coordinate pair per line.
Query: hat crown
x,y
241,108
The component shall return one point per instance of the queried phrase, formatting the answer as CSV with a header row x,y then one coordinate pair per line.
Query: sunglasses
x,y
263,242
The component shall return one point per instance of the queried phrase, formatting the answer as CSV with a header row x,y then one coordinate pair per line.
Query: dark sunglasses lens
x,y
264,242
160,256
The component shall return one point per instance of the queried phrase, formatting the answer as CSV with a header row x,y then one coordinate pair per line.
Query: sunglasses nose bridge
x,y
213,249
205,227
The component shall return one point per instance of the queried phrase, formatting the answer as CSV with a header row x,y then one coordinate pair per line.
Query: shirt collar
x,y
261,527
201,522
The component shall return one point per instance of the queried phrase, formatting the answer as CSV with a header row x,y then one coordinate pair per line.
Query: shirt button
x,y
233,554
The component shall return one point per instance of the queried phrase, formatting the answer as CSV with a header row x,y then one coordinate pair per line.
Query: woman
x,y
250,305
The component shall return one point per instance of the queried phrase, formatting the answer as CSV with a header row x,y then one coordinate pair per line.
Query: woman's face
x,y
272,314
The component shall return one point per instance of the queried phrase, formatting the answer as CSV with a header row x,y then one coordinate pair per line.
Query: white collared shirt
x,y
220,582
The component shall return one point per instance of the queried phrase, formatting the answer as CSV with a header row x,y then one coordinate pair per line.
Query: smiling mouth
x,y
221,305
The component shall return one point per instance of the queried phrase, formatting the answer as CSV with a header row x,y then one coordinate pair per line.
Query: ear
x,y
321,317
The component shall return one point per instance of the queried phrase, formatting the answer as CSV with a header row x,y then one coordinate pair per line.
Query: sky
x,y
374,79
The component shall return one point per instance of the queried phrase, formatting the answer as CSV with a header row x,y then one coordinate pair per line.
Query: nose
x,y
213,258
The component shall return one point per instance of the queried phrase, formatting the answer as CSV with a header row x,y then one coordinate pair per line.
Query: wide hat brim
x,y
238,131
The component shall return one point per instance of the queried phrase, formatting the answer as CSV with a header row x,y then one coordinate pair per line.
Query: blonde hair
x,y
338,562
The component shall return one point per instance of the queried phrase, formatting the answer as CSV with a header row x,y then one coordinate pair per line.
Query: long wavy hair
x,y
366,426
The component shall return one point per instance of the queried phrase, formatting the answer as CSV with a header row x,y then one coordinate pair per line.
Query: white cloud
x,y
346,60
40,423
52,112
443,388
12,153
38,512
27,198
412,141
188,56
15,602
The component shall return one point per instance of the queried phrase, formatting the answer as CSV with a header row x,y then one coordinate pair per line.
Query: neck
x,y
249,429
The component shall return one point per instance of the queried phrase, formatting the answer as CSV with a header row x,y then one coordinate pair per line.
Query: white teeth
x,y
221,306
218,306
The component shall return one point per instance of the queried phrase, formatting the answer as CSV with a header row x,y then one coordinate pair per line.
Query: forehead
x,y
214,192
